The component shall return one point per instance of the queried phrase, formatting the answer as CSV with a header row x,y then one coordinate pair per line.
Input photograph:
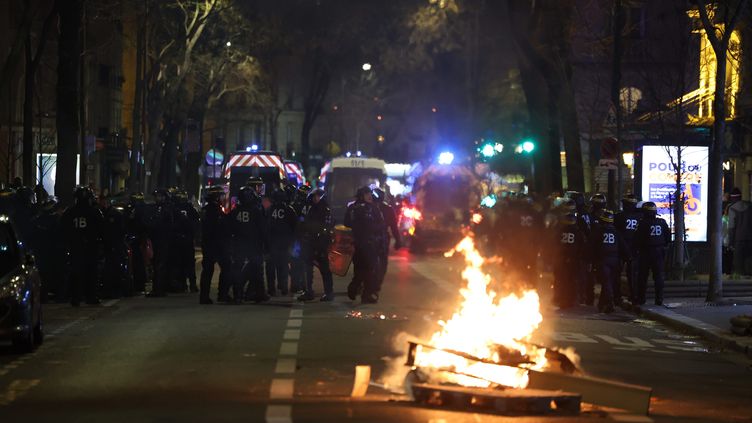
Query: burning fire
x,y
493,328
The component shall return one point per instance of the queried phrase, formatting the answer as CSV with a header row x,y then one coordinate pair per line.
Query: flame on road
x,y
484,321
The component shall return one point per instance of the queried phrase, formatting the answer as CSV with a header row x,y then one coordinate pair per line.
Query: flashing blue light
x,y
358,153
348,154
254,147
446,158
248,149
488,201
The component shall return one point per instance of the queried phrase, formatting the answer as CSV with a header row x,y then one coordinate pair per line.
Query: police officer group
x,y
584,242
594,244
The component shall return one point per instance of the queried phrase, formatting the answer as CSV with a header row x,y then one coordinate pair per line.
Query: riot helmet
x,y
162,196
136,198
247,196
629,202
83,196
364,193
598,201
649,208
214,194
279,196
25,196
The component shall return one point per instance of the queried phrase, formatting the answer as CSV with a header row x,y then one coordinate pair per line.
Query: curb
x,y
707,331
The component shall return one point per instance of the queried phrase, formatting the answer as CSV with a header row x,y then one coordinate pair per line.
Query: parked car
x,y
20,292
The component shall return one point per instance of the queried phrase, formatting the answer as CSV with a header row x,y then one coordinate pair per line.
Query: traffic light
x,y
489,149
528,146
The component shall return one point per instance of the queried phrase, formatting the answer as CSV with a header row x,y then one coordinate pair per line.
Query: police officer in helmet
x,y
187,220
161,223
213,231
608,250
652,237
282,220
367,226
626,223
82,228
138,236
297,268
246,223
317,228
390,227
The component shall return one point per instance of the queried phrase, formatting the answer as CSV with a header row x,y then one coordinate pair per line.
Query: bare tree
x,y
719,22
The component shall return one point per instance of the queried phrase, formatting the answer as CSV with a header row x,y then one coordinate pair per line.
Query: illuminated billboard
x,y
659,184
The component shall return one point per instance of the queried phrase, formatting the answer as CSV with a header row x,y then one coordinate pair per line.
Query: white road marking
x,y
279,414
634,418
110,303
291,335
285,365
296,313
288,348
281,389
634,342
294,323
16,389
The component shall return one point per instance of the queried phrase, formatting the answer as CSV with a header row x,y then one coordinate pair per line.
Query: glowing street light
x,y
366,67
528,146
228,44
446,158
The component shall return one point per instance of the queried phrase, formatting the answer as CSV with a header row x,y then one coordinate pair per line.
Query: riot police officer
x,y
246,224
187,220
82,228
367,226
213,245
115,251
161,223
138,239
282,220
597,204
652,237
569,243
390,227
585,289
626,223
608,250
317,230
50,251
297,268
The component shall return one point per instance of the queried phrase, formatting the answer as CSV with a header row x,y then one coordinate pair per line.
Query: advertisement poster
x,y
659,184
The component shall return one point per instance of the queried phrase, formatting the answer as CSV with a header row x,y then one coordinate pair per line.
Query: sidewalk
x,y
708,320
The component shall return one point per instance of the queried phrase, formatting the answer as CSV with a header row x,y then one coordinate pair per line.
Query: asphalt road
x,y
170,359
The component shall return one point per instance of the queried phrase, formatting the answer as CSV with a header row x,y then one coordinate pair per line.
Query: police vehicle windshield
x,y
342,183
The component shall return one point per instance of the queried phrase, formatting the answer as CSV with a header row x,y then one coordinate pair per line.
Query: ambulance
x,y
342,176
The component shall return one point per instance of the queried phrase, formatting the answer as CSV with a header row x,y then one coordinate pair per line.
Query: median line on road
x,y
284,388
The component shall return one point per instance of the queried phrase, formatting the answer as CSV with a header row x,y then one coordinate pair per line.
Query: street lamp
x,y
366,67
228,44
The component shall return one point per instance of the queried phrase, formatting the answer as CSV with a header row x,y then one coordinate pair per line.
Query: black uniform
x,y
585,288
50,253
608,250
390,225
570,246
138,239
653,235
297,267
626,223
281,224
115,281
161,231
186,220
317,230
367,226
82,228
246,225
214,249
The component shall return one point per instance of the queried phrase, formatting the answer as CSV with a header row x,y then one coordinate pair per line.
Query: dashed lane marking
x,y
285,365
288,348
294,323
296,313
279,414
281,389
291,335
633,418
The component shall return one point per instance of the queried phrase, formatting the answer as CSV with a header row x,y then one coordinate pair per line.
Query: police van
x,y
342,177
241,165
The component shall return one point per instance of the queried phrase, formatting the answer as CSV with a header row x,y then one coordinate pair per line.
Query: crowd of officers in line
x,y
111,247
585,243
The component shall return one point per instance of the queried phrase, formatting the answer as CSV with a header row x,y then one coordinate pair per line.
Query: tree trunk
x,y
134,179
618,23
571,134
27,160
69,51
715,186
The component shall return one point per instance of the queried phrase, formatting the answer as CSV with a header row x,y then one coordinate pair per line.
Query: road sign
x,y
610,148
609,164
